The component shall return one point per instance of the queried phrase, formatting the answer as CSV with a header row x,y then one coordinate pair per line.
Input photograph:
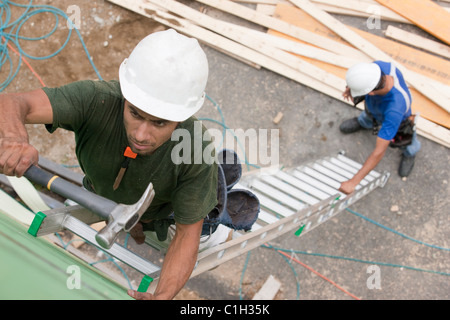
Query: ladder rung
x,y
356,165
321,177
268,203
329,173
349,168
278,195
343,165
347,175
314,182
267,217
287,178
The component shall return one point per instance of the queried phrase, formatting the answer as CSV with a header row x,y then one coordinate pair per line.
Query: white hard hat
x,y
165,76
362,78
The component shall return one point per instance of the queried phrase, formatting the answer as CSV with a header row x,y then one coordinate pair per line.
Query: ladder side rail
x,y
119,252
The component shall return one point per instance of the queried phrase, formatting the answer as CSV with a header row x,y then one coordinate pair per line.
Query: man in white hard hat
x,y
387,111
161,86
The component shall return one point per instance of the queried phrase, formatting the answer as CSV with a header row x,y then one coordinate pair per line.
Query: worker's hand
x,y
347,95
16,156
140,295
347,187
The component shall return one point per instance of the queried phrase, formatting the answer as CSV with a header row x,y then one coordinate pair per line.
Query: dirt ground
x,y
252,98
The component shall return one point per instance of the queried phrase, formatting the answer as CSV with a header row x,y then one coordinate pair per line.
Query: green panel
x,y
34,268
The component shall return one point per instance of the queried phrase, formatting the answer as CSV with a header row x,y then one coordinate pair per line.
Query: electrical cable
x,y
394,231
315,272
387,264
10,32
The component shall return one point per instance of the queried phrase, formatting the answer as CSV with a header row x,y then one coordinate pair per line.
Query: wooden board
x,y
425,14
418,61
277,24
415,60
364,8
184,26
418,41
440,97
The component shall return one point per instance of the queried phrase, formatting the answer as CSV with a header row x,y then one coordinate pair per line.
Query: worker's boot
x,y
350,125
406,166
242,210
231,165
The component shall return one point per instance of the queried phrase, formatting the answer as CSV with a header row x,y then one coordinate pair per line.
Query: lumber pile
x,y
303,41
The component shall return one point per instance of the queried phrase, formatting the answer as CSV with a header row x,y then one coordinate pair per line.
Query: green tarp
x,y
34,268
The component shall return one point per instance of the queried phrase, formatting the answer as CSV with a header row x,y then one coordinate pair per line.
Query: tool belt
x,y
404,134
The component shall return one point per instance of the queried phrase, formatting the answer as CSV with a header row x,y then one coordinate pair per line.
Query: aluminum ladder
x,y
299,199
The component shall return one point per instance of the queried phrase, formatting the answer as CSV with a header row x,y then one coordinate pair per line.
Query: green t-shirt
x,y
93,110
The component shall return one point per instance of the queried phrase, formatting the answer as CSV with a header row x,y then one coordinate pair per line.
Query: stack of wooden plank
x,y
302,41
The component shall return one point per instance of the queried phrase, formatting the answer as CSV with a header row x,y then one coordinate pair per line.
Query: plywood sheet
x,y
416,60
425,14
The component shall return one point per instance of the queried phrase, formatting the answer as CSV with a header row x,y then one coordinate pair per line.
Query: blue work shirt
x,y
392,108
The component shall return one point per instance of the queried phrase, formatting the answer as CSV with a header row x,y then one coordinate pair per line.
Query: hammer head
x,y
124,217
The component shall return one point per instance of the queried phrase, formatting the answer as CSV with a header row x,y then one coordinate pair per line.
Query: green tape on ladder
x,y
145,283
299,231
36,224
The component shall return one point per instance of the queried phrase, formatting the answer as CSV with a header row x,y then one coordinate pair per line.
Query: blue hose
x,y
10,32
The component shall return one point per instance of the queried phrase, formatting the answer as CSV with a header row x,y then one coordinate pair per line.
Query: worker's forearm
x,y
368,166
16,154
178,265
14,113
371,162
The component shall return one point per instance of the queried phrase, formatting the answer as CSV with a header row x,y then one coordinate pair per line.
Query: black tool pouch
x,y
404,134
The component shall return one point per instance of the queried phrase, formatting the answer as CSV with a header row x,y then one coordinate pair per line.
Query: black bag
x,y
405,133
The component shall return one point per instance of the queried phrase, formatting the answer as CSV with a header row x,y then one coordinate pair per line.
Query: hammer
x,y
119,216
